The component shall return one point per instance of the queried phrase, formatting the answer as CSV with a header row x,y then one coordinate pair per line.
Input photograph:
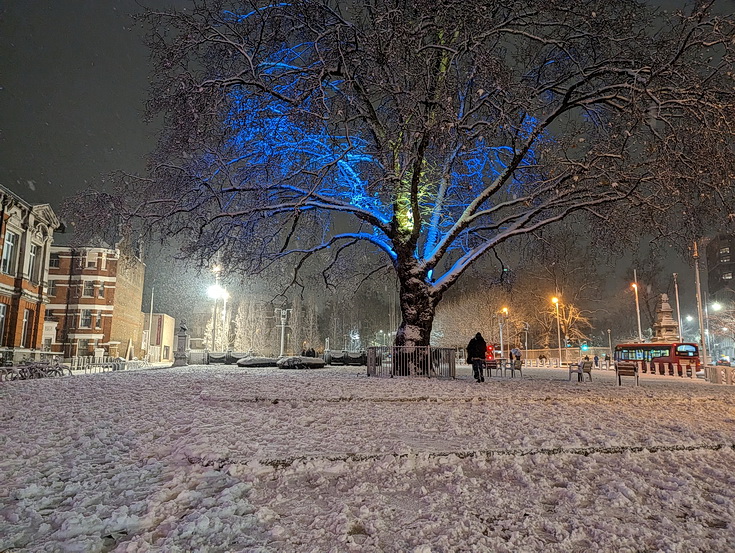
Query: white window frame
x,y
85,318
3,320
33,258
24,336
88,289
9,262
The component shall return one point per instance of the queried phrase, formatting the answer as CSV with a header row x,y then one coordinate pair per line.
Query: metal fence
x,y
88,365
428,361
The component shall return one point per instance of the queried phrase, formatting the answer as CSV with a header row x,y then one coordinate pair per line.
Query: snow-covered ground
x,y
223,459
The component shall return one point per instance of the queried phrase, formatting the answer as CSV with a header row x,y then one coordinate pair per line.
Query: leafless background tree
x,y
427,133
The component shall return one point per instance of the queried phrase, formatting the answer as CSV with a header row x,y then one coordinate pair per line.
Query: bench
x,y
513,366
581,368
626,369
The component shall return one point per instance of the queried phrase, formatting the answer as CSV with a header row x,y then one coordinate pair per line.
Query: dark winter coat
x,y
476,348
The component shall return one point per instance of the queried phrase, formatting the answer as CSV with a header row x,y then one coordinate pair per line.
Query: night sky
x,y
73,86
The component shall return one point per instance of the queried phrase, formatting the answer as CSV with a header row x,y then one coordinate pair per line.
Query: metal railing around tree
x,y
427,361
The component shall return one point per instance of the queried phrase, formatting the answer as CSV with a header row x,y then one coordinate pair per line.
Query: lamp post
x,y
715,307
637,308
526,327
216,292
555,301
678,308
609,343
504,312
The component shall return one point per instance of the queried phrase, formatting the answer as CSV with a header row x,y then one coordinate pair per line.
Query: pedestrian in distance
x,y
597,361
515,353
476,355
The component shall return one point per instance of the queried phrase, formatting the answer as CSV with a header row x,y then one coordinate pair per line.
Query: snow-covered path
x,y
219,459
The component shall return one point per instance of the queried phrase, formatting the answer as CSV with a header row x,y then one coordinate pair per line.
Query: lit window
x,y
726,276
725,250
85,320
10,252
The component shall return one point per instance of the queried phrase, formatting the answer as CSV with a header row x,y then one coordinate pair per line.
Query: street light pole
x,y
505,313
678,308
703,340
555,301
637,305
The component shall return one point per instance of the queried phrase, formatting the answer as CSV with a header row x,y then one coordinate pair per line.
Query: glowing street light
x,y
555,301
217,292
637,311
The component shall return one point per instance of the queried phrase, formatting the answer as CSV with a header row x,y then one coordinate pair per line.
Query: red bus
x,y
661,358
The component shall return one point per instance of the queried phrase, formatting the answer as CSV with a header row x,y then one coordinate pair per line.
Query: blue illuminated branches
x,y
428,133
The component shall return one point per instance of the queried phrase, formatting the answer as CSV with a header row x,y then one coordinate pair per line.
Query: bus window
x,y
686,350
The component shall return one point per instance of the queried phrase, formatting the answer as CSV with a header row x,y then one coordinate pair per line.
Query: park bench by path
x,y
626,369
580,369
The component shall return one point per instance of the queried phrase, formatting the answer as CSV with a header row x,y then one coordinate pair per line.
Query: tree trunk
x,y
418,306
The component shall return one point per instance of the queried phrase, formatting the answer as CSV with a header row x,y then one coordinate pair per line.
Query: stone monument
x,y
665,328
182,346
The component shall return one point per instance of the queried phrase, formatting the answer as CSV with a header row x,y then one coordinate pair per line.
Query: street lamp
x,y
526,327
638,311
503,311
609,343
715,307
555,301
216,292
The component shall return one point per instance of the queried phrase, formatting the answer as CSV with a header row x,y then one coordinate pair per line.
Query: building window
x,y
52,288
53,261
33,263
26,334
89,289
98,322
83,347
726,276
102,289
85,320
10,252
725,258
3,314
91,263
725,250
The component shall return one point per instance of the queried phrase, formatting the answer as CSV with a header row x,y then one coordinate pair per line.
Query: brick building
x,y
95,299
26,234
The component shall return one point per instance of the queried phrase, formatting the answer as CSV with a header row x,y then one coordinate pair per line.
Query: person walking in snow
x,y
476,355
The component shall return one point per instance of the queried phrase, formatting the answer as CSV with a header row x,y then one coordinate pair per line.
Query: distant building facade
x,y
26,235
159,337
95,299
720,253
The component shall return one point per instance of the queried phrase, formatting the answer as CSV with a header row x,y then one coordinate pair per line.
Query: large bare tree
x,y
431,132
